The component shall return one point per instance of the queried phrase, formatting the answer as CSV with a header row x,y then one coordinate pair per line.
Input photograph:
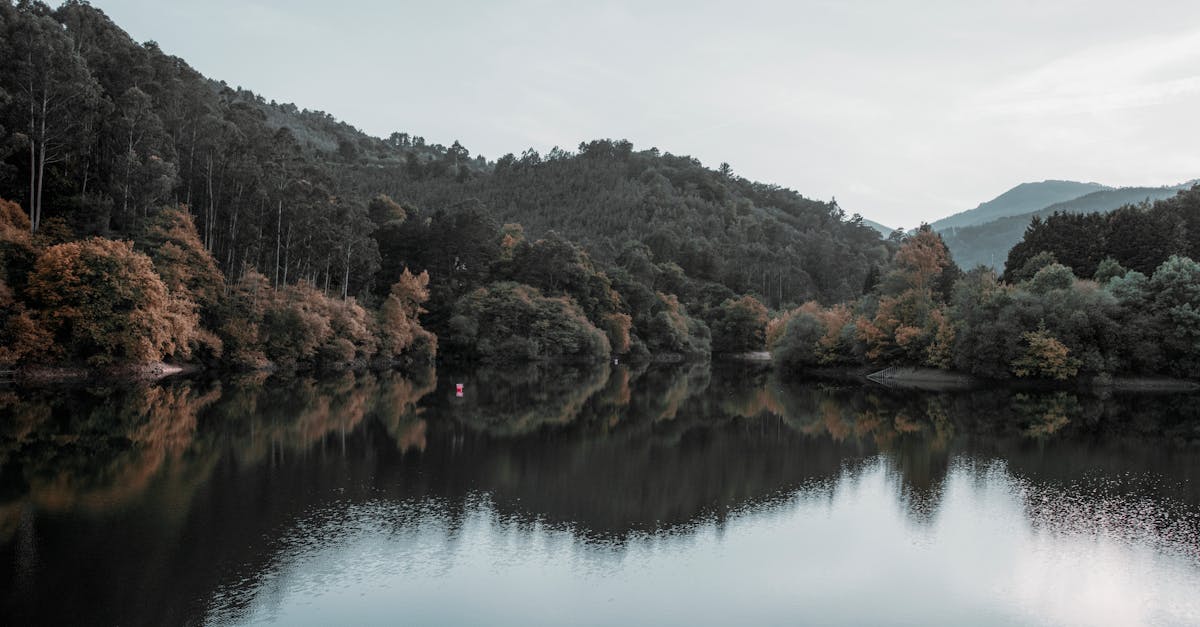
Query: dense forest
x,y
1095,295
152,214
1138,236
258,232
988,243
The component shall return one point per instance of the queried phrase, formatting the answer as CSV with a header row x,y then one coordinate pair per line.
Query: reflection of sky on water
x,y
994,549
673,494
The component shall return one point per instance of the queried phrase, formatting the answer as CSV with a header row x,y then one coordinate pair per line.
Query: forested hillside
x,y
988,243
151,214
1138,237
1094,295
106,140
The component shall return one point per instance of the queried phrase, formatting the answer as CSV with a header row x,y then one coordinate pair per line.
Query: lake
x,y
664,494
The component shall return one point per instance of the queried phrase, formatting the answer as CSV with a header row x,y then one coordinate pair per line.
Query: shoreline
x,y
935,380
896,377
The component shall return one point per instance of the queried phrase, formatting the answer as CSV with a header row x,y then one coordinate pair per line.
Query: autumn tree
x,y
103,304
187,269
738,326
17,252
400,329
1045,357
20,334
240,326
295,325
382,210
910,312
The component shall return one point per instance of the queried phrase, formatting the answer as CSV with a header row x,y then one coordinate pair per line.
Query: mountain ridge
x,y
988,243
1022,198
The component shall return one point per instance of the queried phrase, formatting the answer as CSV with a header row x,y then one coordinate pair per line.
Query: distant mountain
x,y
883,230
988,244
1024,198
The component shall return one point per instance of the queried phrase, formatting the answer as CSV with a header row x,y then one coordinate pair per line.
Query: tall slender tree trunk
x,y
232,243
31,201
128,174
41,175
191,168
209,210
41,179
287,253
32,204
346,276
213,208
87,166
278,233
328,260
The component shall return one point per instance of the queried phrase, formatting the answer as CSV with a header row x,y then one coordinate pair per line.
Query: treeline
x,y
101,131
988,243
1135,311
627,252
1139,237
109,303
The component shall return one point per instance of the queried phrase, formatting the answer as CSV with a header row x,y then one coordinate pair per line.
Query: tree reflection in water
x,y
135,506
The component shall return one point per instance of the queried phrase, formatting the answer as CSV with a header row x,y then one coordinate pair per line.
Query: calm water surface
x,y
671,495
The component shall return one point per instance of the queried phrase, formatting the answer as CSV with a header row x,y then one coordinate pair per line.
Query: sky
x,y
903,111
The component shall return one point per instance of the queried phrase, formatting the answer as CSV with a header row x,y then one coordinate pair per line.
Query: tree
x,y
144,176
922,259
1109,269
1052,277
1031,267
904,323
1076,241
383,210
738,326
1045,357
104,304
1175,301
506,322
400,330
52,86
172,242
797,348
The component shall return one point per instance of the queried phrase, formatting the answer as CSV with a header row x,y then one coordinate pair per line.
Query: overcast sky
x,y
903,111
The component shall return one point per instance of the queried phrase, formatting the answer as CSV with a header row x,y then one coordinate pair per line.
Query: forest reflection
x,y
166,478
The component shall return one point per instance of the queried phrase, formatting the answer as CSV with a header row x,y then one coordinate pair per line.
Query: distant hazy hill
x,y
1024,198
884,230
989,243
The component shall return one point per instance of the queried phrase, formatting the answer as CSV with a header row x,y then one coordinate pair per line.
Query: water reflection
x,y
236,500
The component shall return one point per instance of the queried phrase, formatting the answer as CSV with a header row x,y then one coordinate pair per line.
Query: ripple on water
x,y
1115,508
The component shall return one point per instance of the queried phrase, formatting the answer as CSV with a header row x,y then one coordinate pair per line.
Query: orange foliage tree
x,y
825,332
20,334
103,303
910,323
187,269
242,318
400,331
1045,356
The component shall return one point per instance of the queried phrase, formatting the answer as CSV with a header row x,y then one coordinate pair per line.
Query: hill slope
x,y
285,190
1138,237
988,244
1021,199
883,230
